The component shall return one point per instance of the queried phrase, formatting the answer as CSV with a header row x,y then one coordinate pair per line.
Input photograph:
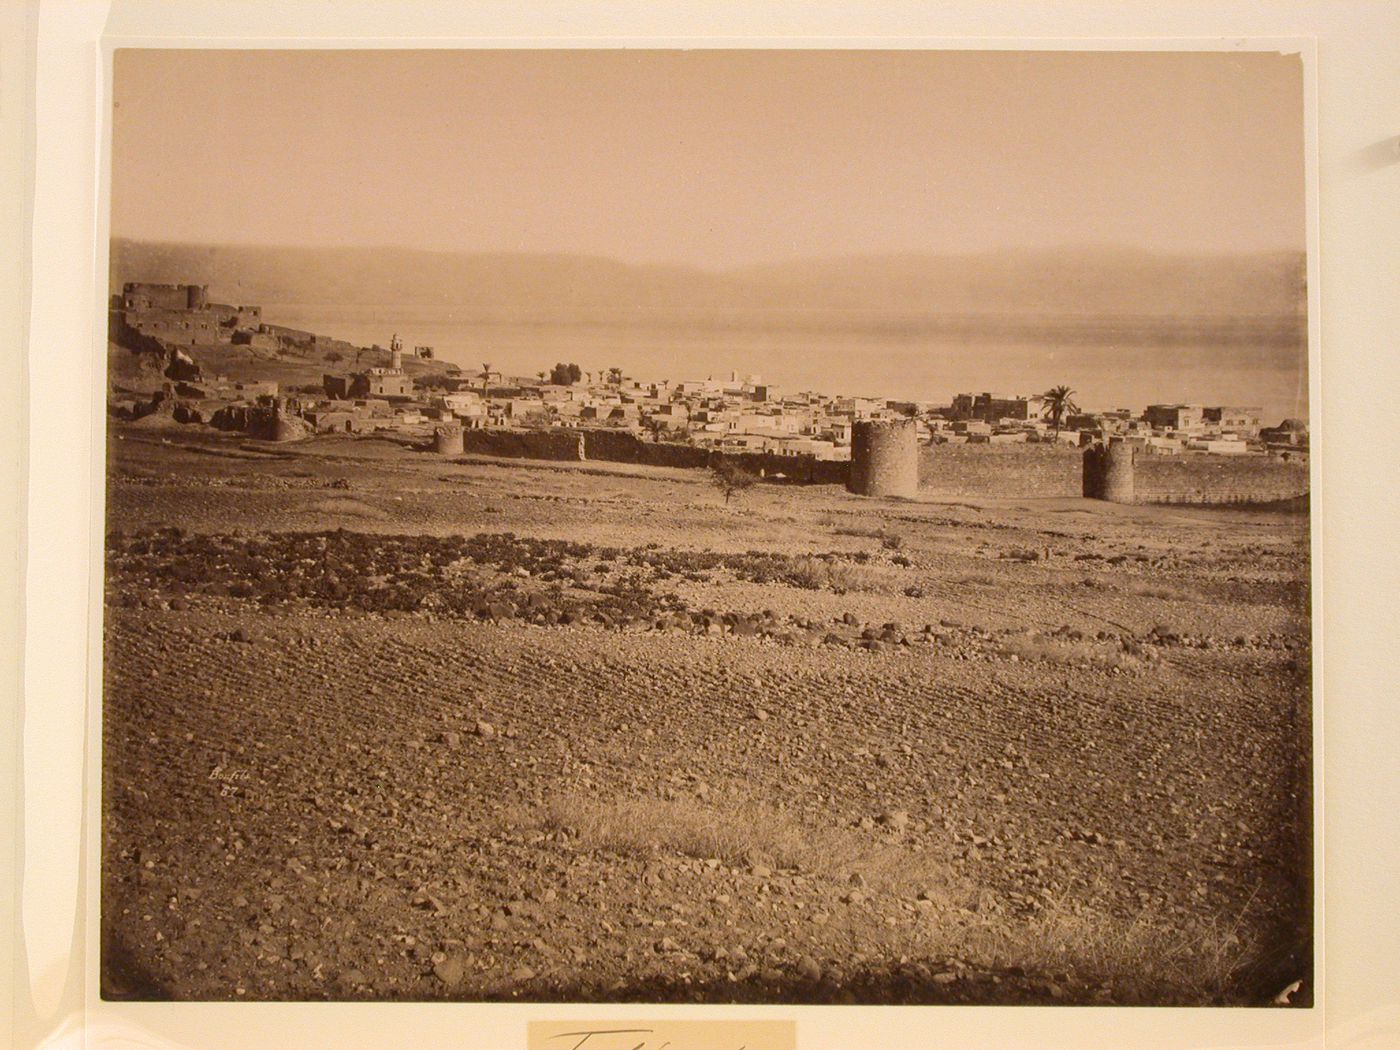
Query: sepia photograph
x,y
723,526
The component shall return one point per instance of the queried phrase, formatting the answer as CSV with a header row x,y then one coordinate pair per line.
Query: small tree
x,y
731,479
565,375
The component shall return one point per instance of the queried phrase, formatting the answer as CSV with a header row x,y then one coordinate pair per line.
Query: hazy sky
x,y
715,158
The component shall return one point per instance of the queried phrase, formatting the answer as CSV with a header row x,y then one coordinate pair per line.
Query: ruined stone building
x,y
180,314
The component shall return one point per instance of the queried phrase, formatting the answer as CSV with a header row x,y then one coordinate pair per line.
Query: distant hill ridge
x,y
1069,283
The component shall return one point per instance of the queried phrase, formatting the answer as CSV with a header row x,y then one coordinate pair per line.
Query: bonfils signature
x,y
229,779
584,1035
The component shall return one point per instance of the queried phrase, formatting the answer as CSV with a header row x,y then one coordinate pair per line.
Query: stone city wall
x,y
1206,478
616,446
619,446
524,444
1019,471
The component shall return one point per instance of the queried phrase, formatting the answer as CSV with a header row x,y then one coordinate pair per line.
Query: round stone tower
x,y
196,296
285,428
1108,472
884,458
448,440
1118,473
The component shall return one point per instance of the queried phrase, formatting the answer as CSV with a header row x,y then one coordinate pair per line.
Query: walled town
x,y
801,435
423,683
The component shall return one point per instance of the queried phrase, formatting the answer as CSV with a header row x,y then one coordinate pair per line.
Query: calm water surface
x,y
845,358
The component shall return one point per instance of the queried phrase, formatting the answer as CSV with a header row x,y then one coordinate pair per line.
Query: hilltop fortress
x,y
182,315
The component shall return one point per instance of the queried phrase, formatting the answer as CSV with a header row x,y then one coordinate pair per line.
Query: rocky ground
x,y
382,726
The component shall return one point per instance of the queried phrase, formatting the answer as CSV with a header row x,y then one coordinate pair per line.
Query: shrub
x,y
731,479
565,375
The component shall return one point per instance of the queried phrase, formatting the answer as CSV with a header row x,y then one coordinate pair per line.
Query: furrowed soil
x,y
381,725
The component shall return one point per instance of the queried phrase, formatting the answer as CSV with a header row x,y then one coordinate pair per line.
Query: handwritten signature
x,y
585,1035
229,779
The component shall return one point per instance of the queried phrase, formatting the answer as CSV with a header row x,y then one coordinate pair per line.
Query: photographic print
x,y
708,526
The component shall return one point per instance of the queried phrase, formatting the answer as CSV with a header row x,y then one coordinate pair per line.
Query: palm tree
x,y
1058,405
485,381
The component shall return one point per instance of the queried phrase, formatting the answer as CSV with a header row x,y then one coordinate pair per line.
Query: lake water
x,y
851,357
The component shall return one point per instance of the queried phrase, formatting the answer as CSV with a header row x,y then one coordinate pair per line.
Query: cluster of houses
x,y
747,414
1162,429
737,414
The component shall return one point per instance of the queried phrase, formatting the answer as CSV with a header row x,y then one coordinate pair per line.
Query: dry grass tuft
x,y
741,833
868,534
1166,592
817,574
1047,649
974,579
1144,959
891,541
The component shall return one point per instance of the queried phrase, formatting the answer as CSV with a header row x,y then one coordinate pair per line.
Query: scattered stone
x,y
451,970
